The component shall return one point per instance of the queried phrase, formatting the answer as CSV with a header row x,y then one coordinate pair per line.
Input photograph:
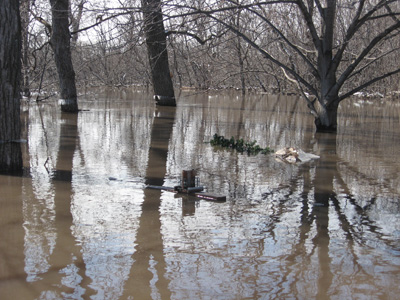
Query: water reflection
x,y
277,213
38,205
324,229
147,278
12,272
108,191
67,270
51,253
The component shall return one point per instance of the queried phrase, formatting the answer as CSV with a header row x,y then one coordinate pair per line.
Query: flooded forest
x,y
104,105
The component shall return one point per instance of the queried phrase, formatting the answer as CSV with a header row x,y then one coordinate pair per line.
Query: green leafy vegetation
x,y
239,145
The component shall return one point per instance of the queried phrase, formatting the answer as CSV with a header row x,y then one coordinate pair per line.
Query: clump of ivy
x,y
239,145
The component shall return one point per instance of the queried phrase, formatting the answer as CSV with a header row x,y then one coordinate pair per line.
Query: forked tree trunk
x,y
156,41
10,68
60,43
328,104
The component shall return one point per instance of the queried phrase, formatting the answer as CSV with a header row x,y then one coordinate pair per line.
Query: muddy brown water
x,y
81,224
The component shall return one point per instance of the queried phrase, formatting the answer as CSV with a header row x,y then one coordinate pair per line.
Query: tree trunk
x,y
10,70
156,41
326,119
60,43
328,104
24,9
327,107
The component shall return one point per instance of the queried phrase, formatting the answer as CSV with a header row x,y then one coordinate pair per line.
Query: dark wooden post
x,y
188,179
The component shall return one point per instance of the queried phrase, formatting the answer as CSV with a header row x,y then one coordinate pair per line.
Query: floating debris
x,y
292,155
239,145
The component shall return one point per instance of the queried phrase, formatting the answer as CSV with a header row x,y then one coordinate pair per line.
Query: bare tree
x,y
156,41
331,48
61,45
315,49
10,68
327,49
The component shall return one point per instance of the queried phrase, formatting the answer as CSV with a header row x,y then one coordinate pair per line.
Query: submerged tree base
x,y
326,117
164,100
10,157
69,105
325,129
239,145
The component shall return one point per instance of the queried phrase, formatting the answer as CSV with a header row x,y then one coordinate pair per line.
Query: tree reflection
x,y
149,262
38,209
323,192
68,268
66,273
108,190
303,237
312,230
12,254
318,221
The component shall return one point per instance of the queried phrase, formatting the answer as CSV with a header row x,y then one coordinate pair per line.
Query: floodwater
x,y
80,224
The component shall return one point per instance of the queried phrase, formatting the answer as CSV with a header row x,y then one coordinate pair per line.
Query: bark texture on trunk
x,y
10,69
24,9
327,106
61,45
326,119
156,41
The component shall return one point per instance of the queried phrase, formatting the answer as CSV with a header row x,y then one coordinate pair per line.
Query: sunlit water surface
x,y
81,223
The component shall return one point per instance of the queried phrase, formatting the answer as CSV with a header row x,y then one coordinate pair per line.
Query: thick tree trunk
x,y
60,43
326,119
10,68
327,106
156,41
24,8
